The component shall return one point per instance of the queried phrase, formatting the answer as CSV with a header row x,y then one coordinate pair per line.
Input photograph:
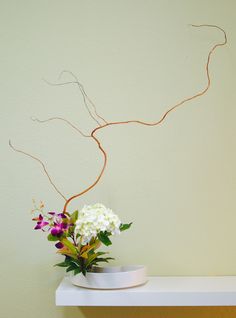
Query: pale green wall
x,y
176,182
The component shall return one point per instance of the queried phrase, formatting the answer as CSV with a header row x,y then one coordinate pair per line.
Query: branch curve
x,y
182,102
43,166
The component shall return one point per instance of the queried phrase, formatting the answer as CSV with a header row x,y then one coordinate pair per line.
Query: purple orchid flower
x,y
40,222
60,225
59,228
60,215
57,216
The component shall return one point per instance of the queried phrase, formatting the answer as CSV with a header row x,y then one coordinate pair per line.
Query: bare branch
x,y
96,181
84,95
62,119
202,92
43,166
106,124
83,92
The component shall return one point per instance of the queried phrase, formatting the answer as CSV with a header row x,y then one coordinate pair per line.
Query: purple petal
x,y
62,215
54,231
59,245
37,227
63,226
52,213
40,225
44,223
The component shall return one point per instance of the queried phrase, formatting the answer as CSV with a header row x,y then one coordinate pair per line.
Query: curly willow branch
x,y
85,95
62,119
42,164
182,102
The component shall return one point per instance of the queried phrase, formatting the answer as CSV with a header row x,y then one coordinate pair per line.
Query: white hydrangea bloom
x,y
93,219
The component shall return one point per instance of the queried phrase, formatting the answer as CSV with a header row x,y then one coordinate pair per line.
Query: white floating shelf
x,y
158,291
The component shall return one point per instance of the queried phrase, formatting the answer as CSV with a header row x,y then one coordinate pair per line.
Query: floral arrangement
x,y
80,234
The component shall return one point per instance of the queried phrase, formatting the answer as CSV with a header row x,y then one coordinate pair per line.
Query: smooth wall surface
x,y
176,182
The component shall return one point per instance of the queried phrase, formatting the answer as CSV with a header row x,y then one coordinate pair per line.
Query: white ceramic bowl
x,y
112,277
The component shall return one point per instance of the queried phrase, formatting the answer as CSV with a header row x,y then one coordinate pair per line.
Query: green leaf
x,y
91,259
101,253
66,262
68,259
104,238
62,264
70,268
53,238
89,249
74,217
75,263
106,260
77,270
124,227
71,231
70,245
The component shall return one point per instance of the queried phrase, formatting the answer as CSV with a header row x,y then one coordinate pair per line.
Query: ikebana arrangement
x,y
79,234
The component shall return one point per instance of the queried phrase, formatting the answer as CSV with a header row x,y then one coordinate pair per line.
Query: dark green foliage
x,y
124,227
103,237
82,265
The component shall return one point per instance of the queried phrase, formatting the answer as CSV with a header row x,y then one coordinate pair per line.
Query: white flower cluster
x,y
93,219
